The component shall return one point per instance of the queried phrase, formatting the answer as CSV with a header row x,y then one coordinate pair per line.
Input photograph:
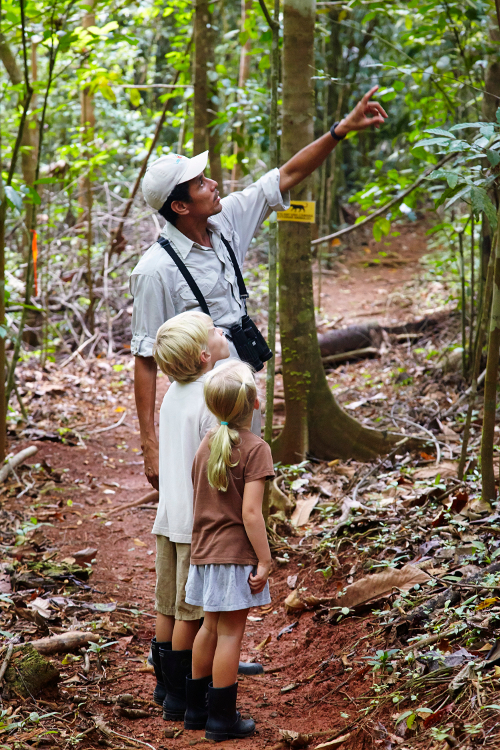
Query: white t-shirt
x,y
184,421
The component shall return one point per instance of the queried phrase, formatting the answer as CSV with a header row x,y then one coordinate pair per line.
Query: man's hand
x,y
258,581
151,462
145,394
365,114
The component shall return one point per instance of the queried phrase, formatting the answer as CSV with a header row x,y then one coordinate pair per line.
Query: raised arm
x,y
364,115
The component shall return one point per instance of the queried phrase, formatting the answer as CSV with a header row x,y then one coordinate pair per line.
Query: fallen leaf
x,y
459,501
85,555
291,582
303,509
261,646
445,470
294,603
139,543
381,584
294,739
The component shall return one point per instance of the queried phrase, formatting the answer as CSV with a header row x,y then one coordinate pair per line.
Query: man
x,y
196,218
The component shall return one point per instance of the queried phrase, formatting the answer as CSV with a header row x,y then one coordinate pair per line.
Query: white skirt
x,y
223,588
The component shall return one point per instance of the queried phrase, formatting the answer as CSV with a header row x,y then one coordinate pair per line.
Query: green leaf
x,y
449,192
135,97
398,85
493,157
13,198
432,142
377,232
482,203
462,125
439,131
108,92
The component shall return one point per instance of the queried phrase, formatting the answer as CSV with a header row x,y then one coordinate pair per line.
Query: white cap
x,y
167,172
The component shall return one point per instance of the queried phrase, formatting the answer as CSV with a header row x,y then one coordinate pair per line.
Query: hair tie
x,y
226,423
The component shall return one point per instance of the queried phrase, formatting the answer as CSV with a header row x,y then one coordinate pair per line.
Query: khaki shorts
x,y
172,569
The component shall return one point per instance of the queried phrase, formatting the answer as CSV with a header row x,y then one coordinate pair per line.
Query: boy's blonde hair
x,y
179,344
230,394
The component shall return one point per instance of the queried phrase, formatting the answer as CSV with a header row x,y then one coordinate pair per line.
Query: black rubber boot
x,y
196,702
175,665
160,691
224,721
250,667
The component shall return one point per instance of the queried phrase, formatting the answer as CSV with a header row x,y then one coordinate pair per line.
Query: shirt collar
x,y
183,244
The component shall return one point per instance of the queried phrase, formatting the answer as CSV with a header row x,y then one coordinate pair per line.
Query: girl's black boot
x,y
224,721
175,665
196,702
160,690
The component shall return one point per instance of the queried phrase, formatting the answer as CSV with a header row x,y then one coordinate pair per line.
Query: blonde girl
x,y
230,557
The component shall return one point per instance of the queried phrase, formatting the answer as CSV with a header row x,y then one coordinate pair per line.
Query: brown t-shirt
x,y
219,536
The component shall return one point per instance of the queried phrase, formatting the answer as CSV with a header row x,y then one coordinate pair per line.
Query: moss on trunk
x,y
29,672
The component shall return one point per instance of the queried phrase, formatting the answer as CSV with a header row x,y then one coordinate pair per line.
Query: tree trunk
x,y
490,383
314,421
273,229
201,19
491,99
246,6
87,120
214,143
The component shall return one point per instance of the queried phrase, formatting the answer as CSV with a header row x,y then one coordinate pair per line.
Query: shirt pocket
x,y
210,289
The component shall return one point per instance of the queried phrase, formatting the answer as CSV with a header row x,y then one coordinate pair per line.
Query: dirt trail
x,y
311,682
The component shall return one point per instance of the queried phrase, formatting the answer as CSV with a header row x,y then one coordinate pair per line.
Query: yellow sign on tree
x,y
303,211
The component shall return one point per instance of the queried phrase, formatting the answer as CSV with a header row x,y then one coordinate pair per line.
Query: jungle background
x,y
380,404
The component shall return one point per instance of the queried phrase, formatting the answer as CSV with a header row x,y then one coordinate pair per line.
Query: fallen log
x,y
64,642
451,595
368,351
29,672
13,462
348,339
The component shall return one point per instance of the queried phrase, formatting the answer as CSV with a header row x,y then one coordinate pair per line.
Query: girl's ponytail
x,y
230,394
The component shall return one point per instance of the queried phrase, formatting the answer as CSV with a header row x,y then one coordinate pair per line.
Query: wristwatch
x,y
334,134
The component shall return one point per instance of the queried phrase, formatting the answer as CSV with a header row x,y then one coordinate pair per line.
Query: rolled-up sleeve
x,y
248,208
152,307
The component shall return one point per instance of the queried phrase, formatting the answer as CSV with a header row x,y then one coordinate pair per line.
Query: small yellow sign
x,y
303,211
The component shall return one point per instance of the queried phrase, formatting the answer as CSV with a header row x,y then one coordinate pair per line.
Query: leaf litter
x,y
383,631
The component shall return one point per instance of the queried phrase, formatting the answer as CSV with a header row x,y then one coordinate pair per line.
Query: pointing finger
x,y
369,94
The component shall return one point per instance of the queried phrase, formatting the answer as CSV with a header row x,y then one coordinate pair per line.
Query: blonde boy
x,y
187,347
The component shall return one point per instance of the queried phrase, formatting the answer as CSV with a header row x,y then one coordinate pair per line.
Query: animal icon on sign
x,y
297,207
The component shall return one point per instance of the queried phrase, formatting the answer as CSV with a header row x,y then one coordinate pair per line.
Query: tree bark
x,y
246,6
314,421
492,77
201,19
214,143
490,383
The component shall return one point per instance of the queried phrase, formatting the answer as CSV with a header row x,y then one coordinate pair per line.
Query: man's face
x,y
205,199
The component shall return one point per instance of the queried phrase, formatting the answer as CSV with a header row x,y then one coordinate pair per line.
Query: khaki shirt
x,y
158,287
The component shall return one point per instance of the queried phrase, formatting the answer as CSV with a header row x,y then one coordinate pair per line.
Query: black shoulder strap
x,y
241,284
185,272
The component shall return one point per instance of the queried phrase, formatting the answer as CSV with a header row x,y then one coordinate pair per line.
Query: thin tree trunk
x,y
246,6
214,143
475,356
314,421
273,227
492,76
87,120
490,384
201,19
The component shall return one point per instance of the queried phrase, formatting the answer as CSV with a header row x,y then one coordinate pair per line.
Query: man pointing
x,y
199,226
